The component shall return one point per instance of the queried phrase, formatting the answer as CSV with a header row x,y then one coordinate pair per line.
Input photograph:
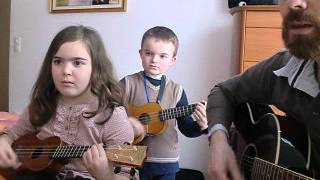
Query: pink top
x,y
72,126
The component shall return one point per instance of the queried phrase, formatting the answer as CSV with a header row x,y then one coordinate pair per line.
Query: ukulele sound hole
x,y
36,153
144,118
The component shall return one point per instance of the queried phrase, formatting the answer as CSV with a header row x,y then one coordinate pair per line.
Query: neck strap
x,y
162,87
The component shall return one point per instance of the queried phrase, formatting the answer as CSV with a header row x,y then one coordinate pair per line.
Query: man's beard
x,y
302,46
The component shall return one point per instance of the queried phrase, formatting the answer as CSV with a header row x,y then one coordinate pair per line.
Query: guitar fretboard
x,y
265,170
181,111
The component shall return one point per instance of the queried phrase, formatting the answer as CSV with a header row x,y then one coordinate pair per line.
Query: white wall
x,y
205,28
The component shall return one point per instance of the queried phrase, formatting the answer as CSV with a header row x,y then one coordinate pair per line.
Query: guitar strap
x,y
162,87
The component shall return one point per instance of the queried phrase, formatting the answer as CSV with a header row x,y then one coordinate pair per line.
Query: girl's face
x,y
157,56
71,71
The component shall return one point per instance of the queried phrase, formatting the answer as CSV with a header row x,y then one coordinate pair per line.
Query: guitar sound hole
x,y
144,118
36,153
248,156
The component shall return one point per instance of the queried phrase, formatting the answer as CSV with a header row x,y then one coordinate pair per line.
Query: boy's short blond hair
x,y
162,33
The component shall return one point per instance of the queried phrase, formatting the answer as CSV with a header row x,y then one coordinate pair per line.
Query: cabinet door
x,y
265,19
261,43
248,64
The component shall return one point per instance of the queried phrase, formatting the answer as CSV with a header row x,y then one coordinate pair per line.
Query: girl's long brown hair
x,y
44,97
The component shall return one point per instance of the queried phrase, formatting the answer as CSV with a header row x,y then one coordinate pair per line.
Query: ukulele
x,y
49,155
275,150
153,118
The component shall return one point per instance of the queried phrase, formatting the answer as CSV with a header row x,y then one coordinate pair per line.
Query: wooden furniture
x,y
260,34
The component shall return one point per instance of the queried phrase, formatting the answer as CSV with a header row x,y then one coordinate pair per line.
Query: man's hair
x,y
162,33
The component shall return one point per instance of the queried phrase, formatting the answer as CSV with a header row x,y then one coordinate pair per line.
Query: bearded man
x,y
289,80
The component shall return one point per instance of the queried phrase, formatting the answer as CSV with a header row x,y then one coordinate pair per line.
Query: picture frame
x,y
77,6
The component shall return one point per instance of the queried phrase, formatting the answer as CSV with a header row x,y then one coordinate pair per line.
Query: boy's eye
x,y
163,56
148,53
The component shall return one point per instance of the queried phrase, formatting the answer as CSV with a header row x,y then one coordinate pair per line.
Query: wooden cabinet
x,y
260,35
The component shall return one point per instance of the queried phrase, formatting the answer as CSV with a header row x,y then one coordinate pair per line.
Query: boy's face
x,y
157,56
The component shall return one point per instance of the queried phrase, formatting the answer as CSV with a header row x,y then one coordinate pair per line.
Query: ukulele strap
x,y
161,90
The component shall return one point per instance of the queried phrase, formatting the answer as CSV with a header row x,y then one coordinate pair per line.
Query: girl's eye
x,y
56,61
77,63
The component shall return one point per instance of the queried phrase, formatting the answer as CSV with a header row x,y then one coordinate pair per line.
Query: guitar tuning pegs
x,y
117,169
132,172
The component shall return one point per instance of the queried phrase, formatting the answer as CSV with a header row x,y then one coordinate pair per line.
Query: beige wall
x,y
4,53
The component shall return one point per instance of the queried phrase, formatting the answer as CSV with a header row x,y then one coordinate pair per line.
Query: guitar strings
x,y
248,162
248,166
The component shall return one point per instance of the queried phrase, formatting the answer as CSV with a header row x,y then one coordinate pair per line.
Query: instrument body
x,y
154,118
49,156
276,148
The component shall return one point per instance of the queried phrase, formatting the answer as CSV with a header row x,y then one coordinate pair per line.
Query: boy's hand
x,y
200,114
138,128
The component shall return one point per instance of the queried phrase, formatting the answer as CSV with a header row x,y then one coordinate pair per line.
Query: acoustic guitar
x,y
154,118
48,156
275,151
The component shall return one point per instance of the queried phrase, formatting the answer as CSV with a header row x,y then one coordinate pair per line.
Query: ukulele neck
x,y
181,111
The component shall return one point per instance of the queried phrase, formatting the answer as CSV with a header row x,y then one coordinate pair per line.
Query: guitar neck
x,y
176,112
262,169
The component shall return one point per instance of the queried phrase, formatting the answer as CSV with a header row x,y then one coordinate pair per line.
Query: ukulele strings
x,y
166,113
48,150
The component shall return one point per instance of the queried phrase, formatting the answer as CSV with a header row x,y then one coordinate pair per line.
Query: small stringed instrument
x,y
49,155
276,150
154,118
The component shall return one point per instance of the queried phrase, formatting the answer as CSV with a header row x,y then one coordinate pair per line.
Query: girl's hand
x,y
138,128
200,114
97,163
8,158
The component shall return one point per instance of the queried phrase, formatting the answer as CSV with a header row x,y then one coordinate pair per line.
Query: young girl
x,y
76,98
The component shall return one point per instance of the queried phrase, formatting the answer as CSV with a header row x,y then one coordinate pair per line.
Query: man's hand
x,y
222,163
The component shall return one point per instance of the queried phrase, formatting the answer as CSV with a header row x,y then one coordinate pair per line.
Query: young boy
x,y
158,53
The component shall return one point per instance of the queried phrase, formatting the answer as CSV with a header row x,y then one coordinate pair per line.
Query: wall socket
x,y
17,44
